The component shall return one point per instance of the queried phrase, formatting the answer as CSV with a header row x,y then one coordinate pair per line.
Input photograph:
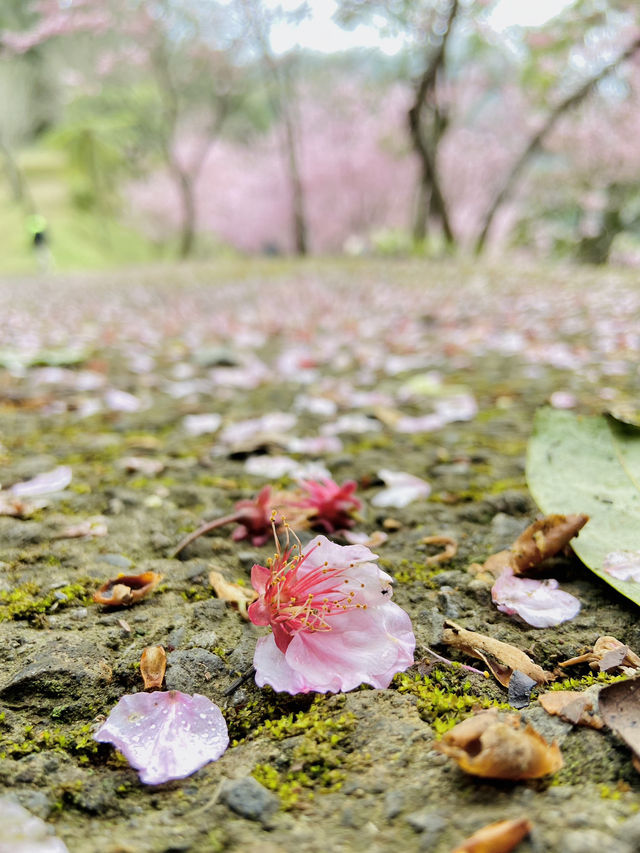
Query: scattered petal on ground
x,y
624,565
401,489
22,832
56,480
539,603
165,736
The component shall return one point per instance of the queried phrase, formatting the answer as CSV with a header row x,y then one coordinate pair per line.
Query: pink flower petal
x,y
402,489
335,625
165,735
539,603
44,484
623,565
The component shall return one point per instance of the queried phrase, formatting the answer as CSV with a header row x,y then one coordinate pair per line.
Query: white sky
x,y
320,32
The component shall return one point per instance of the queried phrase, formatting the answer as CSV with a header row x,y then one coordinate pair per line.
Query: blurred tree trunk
x,y
427,124
535,143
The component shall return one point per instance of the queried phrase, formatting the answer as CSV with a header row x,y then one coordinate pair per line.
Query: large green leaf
x,y
591,465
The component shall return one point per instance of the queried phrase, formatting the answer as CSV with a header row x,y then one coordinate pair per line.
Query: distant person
x,y
37,226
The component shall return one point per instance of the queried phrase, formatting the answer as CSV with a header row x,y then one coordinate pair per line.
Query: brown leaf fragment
x,y
153,664
482,647
500,837
607,653
620,709
544,538
237,595
574,706
496,747
450,549
126,590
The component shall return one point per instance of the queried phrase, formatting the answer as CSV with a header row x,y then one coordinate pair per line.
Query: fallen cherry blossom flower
x,y
334,624
165,736
142,465
52,481
23,832
401,489
117,400
126,589
330,506
254,519
274,467
623,565
539,603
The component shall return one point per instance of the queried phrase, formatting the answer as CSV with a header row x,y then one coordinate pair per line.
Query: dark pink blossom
x,y
331,506
333,621
165,736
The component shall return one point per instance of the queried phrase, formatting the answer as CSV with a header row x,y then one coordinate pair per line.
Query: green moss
x,y
445,697
315,765
413,570
27,602
78,742
587,681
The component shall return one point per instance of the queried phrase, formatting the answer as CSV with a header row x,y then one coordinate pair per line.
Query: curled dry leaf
x,y
153,664
126,589
619,706
483,647
496,747
607,653
499,837
574,706
450,549
544,538
238,595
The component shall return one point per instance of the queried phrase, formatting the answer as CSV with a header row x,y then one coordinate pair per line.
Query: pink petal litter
x,y
166,735
401,489
623,565
334,624
538,603
47,483
23,832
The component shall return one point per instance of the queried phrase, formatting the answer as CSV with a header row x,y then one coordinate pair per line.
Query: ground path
x,y
147,385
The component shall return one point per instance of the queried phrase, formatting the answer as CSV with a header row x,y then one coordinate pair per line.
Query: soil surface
x,y
101,373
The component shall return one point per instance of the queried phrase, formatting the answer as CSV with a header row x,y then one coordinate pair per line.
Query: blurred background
x,y
145,130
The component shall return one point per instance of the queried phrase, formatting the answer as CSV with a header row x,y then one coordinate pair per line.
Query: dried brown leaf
x,y
240,596
496,747
607,653
483,647
574,706
544,538
620,708
126,589
499,837
450,547
153,664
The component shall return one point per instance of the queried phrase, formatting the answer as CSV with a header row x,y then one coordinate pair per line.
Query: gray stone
x,y
249,799
190,670
117,560
629,830
591,841
505,529
393,804
429,823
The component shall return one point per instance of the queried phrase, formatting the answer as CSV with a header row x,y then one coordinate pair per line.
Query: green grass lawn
x,y
77,239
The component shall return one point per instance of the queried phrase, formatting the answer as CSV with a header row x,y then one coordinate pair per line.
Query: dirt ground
x,y
98,371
